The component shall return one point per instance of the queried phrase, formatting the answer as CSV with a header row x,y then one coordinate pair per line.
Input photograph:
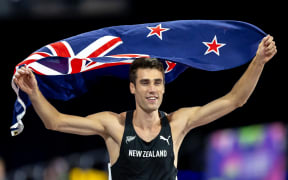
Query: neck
x,y
146,120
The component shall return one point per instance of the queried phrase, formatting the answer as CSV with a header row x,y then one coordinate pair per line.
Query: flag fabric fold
x,y
67,68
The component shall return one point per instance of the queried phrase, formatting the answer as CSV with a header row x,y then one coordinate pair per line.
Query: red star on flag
x,y
170,66
213,46
158,30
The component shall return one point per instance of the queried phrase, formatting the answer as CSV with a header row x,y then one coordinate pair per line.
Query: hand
x,y
26,81
266,49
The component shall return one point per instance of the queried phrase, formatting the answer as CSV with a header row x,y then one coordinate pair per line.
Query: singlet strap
x,y
162,114
128,130
164,119
129,117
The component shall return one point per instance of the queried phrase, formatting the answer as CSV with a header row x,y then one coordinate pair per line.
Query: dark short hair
x,y
144,63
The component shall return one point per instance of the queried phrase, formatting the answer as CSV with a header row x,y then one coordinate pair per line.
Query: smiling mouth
x,y
152,98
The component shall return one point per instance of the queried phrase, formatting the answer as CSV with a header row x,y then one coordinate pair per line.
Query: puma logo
x,y
165,139
129,139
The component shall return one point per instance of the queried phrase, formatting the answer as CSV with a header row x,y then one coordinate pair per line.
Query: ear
x,y
132,88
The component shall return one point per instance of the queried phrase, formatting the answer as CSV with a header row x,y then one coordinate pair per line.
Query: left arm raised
x,y
237,97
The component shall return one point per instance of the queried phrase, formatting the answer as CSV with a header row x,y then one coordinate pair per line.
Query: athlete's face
x,y
149,89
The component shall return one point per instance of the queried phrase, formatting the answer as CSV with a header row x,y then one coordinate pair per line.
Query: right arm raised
x,y
52,118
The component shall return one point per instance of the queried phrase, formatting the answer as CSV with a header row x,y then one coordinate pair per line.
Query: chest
x,y
148,134
153,144
148,146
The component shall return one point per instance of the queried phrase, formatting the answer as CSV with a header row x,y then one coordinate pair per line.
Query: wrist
x,y
258,60
35,94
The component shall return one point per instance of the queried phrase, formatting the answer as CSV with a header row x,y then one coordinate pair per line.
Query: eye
x,y
144,82
158,82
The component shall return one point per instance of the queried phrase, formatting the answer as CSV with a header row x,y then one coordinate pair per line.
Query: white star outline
x,y
209,50
155,33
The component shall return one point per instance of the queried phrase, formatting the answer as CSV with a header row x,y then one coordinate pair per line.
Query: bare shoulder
x,y
111,124
182,114
105,114
108,117
179,120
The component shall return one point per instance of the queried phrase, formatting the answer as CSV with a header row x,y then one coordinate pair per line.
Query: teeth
x,y
152,98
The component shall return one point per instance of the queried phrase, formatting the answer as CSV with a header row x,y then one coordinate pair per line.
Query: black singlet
x,y
140,160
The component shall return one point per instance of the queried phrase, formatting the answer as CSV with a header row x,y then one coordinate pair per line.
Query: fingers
x,y
267,40
266,49
25,80
22,72
271,49
269,45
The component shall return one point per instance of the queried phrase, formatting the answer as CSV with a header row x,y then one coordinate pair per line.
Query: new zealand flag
x,y
65,69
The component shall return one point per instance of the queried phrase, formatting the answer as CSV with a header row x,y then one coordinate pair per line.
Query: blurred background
x,y
249,143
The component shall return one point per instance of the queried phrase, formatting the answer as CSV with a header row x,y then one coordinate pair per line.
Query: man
x,y
144,144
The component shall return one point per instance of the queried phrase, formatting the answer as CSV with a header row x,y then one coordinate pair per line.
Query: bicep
x,y
201,115
90,125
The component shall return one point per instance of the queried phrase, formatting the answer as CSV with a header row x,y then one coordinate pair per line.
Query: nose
x,y
152,88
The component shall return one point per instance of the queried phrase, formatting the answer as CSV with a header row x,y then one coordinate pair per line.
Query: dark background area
x,y
23,32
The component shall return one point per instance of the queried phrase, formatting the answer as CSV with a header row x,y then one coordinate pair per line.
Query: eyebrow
x,y
148,80
144,80
158,80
